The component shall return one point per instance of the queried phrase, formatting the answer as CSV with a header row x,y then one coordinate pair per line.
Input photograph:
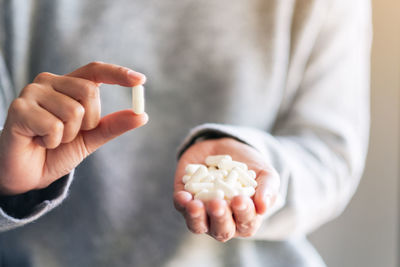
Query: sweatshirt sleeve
x,y
319,142
21,209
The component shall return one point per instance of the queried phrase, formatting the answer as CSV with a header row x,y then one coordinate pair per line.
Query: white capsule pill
x,y
199,174
186,178
222,178
237,184
228,190
224,173
138,99
208,179
246,191
252,174
230,164
218,174
197,187
245,178
214,160
192,168
232,177
207,195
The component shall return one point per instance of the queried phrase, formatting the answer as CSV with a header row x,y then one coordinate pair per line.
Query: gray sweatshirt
x,y
288,77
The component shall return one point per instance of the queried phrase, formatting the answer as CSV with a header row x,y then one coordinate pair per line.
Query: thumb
x,y
111,126
267,190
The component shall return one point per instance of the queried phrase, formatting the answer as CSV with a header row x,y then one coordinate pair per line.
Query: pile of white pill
x,y
138,99
220,178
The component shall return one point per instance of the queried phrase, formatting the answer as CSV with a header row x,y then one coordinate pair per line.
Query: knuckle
x,y
43,76
76,112
30,89
18,105
90,91
121,69
56,127
95,64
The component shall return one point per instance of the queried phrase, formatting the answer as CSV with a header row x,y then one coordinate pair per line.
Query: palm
x,y
237,150
64,158
38,166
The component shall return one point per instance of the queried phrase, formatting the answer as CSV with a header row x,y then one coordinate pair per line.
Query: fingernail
x,y
137,76
145,118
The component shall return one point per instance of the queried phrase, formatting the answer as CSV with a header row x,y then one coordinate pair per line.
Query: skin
x,y
218,218
55,123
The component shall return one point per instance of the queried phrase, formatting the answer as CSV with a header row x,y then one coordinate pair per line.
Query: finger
x,y
196,217
267,190
181,199
86,92
179,173
222,227
112,126
100,72
34,121
245,215
69,111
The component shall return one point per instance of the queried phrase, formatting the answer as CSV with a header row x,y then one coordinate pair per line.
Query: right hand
x,y
55,123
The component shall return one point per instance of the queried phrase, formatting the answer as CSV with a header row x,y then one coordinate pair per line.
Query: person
x,y
280,85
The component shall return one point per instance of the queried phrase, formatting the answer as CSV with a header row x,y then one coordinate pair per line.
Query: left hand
x,y
217,218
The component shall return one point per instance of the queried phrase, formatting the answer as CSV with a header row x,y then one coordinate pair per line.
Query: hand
x,y
55,123
217,218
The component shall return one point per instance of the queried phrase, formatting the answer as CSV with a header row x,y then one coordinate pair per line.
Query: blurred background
x,y
367,234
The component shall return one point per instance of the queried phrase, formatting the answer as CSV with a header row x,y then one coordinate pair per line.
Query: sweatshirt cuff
x,y
263,142
21,209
